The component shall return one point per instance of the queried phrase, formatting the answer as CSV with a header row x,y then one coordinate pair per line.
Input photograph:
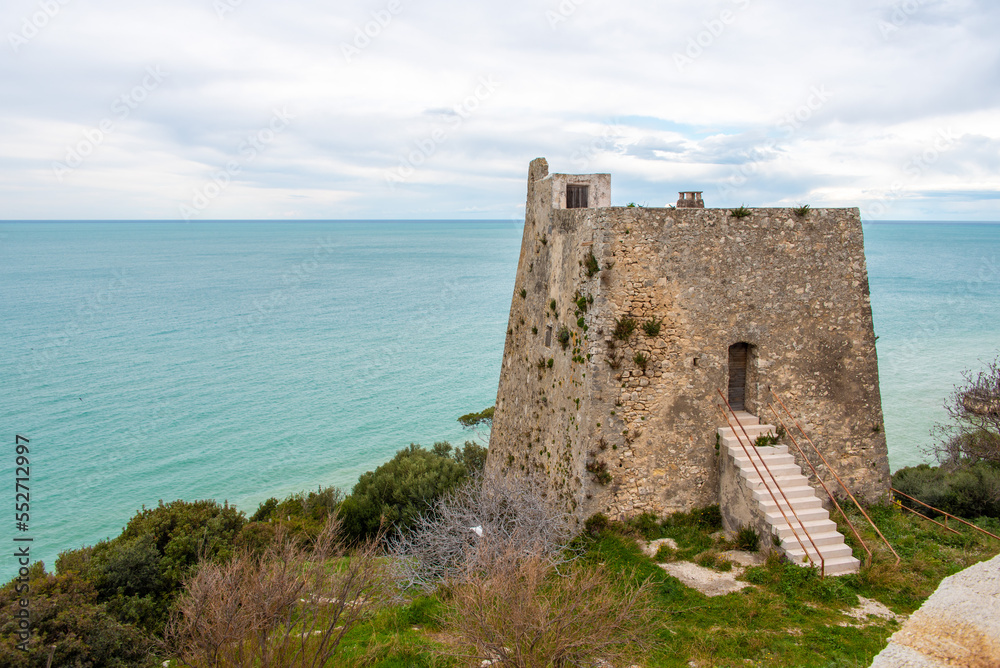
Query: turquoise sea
x,y
242,360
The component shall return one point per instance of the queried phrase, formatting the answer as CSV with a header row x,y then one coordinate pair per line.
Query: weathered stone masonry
x,y
795,288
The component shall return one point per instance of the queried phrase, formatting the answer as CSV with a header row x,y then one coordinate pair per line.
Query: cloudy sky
x,y
219,109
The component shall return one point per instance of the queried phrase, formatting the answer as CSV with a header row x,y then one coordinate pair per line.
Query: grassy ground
x,y
790,617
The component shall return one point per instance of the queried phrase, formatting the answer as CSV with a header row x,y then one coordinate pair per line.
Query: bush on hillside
x,y
69,627
396,493
969,491
139,573
301,515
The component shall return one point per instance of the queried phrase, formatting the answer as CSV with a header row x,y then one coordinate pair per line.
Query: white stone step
x,y
814,527
841,566
771,471
798,503
754,483
770,459
798,492
745,418
828,550
807,515
753,431
737,450
820,538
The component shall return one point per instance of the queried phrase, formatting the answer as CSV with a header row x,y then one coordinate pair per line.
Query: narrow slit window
x,y
576,197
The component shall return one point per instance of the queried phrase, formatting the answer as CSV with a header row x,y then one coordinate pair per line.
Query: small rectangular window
x,y
548,336
576,197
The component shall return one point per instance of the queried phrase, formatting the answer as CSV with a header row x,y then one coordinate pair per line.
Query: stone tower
x,y
624,422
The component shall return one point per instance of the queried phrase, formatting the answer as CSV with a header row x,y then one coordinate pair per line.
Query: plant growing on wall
x,y
598,470
625,328
740,212
641,360
590,264
562,336
651,327
801,211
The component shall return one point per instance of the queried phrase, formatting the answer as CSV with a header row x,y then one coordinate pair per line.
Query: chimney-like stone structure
x,y
690,199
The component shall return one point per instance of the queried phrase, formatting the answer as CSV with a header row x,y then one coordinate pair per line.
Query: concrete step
x,y
754,483
800,492
737,448
753,431
841,566
833,566
798,503
814,527
774,517
829,550
771,470
746,418
820,538
768,458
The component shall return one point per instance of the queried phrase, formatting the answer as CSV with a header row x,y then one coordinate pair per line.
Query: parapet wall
x,y
795,288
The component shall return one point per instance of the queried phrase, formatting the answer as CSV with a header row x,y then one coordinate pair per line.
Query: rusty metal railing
x,y
834,474
777,503
947,515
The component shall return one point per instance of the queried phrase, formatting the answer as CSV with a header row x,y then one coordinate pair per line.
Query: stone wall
x,y
794,288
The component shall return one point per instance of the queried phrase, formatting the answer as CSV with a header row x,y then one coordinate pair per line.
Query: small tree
x,y
974,408
483,420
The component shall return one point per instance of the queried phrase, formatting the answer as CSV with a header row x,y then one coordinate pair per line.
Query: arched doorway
x,y
739,359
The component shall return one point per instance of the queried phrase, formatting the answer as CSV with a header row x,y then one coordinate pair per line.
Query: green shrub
x,y
765,440
69,626
748,539
563,337
801,211
740,212
651,327
524,293
399,490
591,265
968,491
646,525
139,574
550,363
596,523
665,553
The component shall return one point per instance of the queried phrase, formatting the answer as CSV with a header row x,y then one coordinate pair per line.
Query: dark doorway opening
x,y
738,359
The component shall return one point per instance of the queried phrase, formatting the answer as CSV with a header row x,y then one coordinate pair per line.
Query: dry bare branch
x,y
289,607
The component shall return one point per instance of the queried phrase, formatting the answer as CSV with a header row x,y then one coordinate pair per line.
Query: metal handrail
x,y
868,560
946,514
822,560
834,474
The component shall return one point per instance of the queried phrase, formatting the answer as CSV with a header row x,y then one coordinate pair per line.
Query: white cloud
x,y
601,89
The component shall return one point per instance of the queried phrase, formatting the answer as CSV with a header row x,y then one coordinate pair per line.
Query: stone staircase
x,y
809,508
